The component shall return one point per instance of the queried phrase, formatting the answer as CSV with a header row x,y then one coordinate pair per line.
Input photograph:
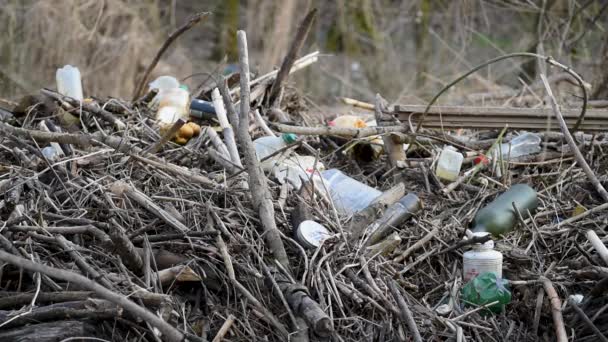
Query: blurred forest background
x,y
406,50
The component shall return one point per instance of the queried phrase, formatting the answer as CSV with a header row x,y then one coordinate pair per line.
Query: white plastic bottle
x,y
69,82
482,258
174,105
449,164
522,145
347,194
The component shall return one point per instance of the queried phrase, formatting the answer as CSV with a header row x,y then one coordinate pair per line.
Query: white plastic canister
x,y
482,258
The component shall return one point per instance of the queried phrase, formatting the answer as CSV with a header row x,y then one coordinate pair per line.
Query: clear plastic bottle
x,y
522,145
296,169
482,258
449,164
268,145
347,194
174,105
69,82
162,84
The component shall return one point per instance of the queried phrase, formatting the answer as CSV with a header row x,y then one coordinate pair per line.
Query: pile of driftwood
x,y
127,236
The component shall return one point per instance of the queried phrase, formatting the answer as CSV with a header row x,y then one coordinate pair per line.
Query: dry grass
x,y
405,50
108,40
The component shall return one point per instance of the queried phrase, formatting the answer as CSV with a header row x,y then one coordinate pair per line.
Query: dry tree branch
x,y
570,140
170,333
262,199
195,19
291,56
556,310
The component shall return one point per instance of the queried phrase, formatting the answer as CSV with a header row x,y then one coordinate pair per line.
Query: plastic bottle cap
x,y
183,86
289,137
311,233
486,245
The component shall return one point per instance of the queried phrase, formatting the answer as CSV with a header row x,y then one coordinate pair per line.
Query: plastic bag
x,y
487,288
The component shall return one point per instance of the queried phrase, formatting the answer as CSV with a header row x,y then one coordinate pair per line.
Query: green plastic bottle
x,y
487,288
499,217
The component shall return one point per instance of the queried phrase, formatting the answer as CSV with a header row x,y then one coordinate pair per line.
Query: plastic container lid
x,y
289,137
486,245
311,234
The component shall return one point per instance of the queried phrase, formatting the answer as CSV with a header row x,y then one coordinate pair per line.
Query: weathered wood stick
x,y
393,149
195,19
587,321
339,131
262,199
417,245
598,245
100,139
170,333
556,310
406,314
577,153
121,188
224,328
89,107
291,56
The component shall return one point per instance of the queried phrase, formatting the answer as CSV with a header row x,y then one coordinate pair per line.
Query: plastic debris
x,y
499,217
485,289
69,82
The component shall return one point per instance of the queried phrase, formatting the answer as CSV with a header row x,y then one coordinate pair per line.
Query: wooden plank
x,y
498,111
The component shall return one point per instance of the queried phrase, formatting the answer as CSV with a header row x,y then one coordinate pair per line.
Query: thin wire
x,y
549,60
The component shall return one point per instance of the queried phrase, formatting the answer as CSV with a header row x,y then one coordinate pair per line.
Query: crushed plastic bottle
x,y
69,82
347,194
485,289
482,258
522,145
449,164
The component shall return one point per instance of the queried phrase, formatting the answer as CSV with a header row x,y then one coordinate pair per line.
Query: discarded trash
x,y
296,169
449,164
164,83
576,298
499,217
482,258
485,289
386,246
347,121
310,234
50,153
174,104
393,217
522,145
368,151
265,146
202,109
186,132
347,194
69,82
